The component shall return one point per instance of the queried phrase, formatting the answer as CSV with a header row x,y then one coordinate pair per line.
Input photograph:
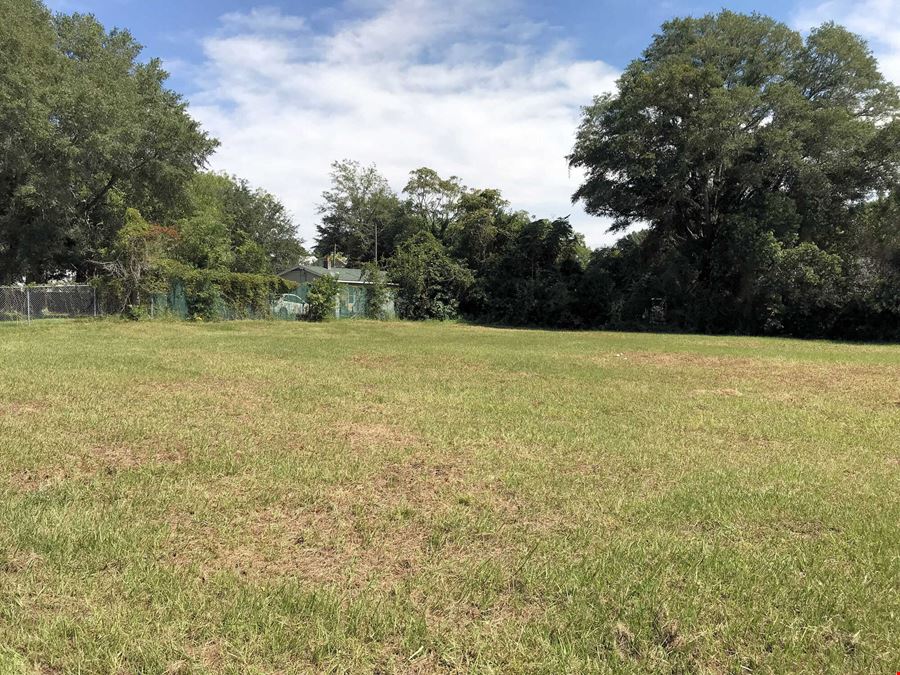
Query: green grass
x,y
355,496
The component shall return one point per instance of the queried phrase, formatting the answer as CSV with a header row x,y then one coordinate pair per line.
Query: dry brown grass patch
x,y
209,655
733,364
625,642
239,392
374,361
31,480
780,379
97,461
17,561
366,435
323,544
113,458
15,408
727,392
378,530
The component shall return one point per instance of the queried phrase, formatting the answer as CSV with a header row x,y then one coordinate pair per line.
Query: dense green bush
x,y
533,278
135,313
376,291
321,298
430,282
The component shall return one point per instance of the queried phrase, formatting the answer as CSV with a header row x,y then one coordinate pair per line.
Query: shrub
x,y
809,286
135,313
321,297
203,298
430,282
376,291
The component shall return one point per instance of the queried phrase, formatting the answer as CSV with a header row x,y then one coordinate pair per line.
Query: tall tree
x,y
133,257
534,279
231,225
733,138
483,226
90,130
434,200
430,282
355,211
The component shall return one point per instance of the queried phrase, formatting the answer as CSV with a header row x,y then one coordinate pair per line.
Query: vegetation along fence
x,y
27,303
183,302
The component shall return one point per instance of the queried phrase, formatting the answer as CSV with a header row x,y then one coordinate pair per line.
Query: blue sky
x,y
614,31
488,90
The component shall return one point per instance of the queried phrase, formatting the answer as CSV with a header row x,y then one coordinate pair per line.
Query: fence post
x,y
28,303
95,301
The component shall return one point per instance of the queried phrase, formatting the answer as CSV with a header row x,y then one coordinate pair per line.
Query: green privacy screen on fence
x,y
180,301
174,302
210,304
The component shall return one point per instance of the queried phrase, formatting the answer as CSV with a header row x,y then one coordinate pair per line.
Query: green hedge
x,y
220,294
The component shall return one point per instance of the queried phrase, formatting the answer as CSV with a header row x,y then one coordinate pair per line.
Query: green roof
x,y
346,275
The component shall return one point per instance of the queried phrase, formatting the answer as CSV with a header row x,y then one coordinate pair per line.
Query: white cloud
x,y
876,20
263,19
456,86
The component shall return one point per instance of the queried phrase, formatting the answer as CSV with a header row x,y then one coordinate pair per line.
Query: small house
x,y
353,289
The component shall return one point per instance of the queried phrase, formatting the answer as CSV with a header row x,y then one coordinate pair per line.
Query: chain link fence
x,y
29,303
69,301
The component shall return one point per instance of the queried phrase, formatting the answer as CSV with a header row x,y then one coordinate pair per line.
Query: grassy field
x,y
355,496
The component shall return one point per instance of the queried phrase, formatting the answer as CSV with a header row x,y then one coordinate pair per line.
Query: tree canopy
x,y
760,168
356,209
735,141
231,225
89,130
102,173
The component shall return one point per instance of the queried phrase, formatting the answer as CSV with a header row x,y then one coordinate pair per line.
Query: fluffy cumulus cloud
x,y
457,86
876,20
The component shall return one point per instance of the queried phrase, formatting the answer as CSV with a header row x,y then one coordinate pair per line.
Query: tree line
x,y
752,173
453,250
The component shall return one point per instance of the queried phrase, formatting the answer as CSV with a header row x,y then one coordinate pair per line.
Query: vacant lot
x,y
278,497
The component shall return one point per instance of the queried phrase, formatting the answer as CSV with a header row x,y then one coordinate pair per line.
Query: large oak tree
x,y
733,138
